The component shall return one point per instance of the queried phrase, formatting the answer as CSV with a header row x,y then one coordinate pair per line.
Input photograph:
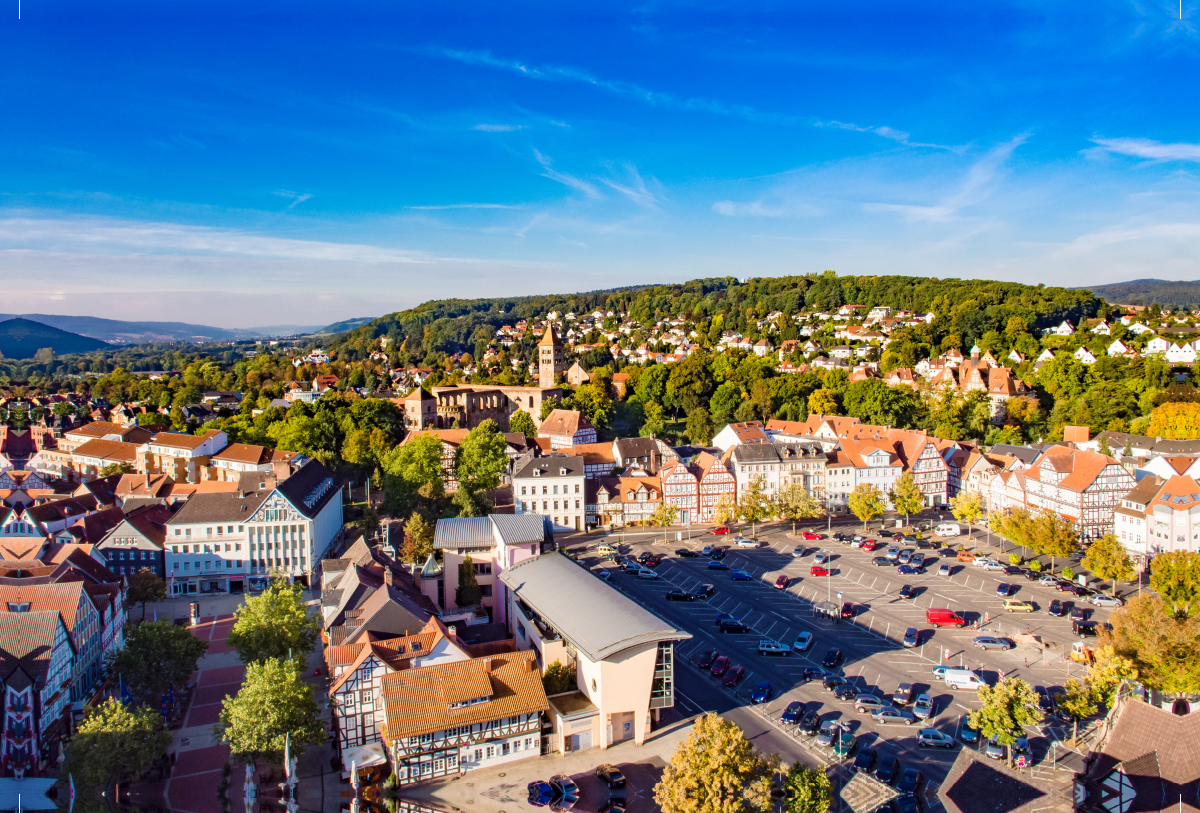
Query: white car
x,y
822,557
1101,600
803,642
743,542
944,569
1048,581
992,564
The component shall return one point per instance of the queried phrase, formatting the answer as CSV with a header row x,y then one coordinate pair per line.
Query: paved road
x,y
875,658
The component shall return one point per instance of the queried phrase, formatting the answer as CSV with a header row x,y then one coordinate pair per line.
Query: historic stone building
x,y
550,358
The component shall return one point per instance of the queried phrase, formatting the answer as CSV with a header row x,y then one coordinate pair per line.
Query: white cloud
x,y
1145,148
635,188
752,209
564,179
498,128
899,136
296,197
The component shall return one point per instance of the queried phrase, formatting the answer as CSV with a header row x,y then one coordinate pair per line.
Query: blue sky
x,y
264,163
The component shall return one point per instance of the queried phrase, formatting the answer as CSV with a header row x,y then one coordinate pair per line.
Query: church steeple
x,y
550,358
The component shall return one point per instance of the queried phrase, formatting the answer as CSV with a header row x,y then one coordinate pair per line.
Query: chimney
x,y
529,664
388,578
147,480
453,630
487,664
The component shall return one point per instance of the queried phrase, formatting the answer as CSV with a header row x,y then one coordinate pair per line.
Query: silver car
x,y
892,716
829,730
868,703
923,708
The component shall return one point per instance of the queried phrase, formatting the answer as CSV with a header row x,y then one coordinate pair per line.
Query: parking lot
x,y
875,659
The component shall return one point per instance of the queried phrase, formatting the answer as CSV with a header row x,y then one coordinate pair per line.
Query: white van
x,y
948,529
962,679
607,550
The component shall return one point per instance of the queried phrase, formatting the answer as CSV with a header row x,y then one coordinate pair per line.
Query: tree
x,y
654,423
1018,525
715,770
822,402
1005,710
1176,577
1163,646
755,505
795,503
809,789
1107,559
1079,703
665,515
411,467
967,506
274,624
1108,671
700,427
867,502
116,468
145,587
726,511
1178,421
468,593
157,655
114,744
1055,536
482,457
521,422
418,539
272,703
906,495
558,679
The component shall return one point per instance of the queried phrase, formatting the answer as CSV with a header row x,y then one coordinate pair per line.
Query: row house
x,y
1159,515
39,659
779,465
567,427
449,718
552,487
80,615
1084,487
622,501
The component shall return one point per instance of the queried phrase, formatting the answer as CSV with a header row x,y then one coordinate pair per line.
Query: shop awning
x,y
363,756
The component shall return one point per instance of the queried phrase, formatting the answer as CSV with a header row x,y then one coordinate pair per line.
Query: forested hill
x,y
1163,292
966,308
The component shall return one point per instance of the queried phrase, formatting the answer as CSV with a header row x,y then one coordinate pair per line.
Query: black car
x,y
887,769
808,674
881,561
679,595
734,627
910,781
1056,609
723,617
611,775
845,692
833,659
886,533
612,806
839,536
707,657
685,553
811,723
905,804
924,543
1080,613
793,713
865,760
1031,575
717,554
831,681
1012,570
704,591
907,591
643,556
1004,589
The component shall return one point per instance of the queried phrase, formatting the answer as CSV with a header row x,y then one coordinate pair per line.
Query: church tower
x,y
550,358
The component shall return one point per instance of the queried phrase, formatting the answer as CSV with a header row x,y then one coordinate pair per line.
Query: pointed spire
x,y
550,339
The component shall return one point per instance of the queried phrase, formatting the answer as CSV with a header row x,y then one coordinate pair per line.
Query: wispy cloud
x,y
296,197
467,206
498,128
553,73
899,136
976,186
564,179
635,188
1155,151
753,209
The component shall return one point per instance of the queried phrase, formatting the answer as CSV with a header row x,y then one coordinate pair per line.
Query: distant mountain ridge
x,y
23,338
116,331
1174,293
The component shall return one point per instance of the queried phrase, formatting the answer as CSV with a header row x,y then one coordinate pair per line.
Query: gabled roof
x,y
26,644
550,338
107,450
310,488
566,596
564,422
219,506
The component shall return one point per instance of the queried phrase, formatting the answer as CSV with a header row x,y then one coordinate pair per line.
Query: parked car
x,y
716,564
1012,570
781,583
768,647
793,713
822,557
932,738
643,556
881,561
965,732
1048,581
680,595
1004,589
939,671
740,575
720,530
911,570
707,550
832,681
847,609
1014,605
887,770
1079,613
655,560
902,695
885,532
839,536
717,553
704,591
905,557
734,626
540,793
733,677
923,707
907,592
865,761
893,552
804,640
799,551
1031,574
817,570
810,723
870,545
833,659
845,692
762,693
867,703
707,658
566,792
611,776
810,536
744,542
1056,609
720,666
911,637
892,716
647,573
829,730
685,553
994,749
1101,600
910,781
989,642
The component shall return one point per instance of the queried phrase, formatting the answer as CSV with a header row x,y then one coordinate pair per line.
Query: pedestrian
x,y
1027,663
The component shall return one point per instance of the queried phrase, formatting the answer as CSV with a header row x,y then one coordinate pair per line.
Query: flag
x,y
70,793
287,762
123,691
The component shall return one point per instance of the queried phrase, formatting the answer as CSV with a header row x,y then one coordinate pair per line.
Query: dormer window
x,y
18,606
537,472
562,472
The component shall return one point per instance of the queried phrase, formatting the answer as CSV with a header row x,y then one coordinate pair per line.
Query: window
x,y
577,488
556,489
209,530
219,530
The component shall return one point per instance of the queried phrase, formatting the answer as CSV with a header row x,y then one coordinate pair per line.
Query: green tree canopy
x,y
113,745
272,703
156,655
482,457
1176,577
809,790
1108,559
521,422
145,587
274,624
1005,709
716,770
468,592
1163,647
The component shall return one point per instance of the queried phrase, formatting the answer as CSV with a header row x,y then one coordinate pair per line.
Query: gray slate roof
x,y
551,466
596,618
475,532
219,506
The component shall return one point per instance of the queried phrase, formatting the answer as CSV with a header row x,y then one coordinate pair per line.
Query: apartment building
x,y
494,543
229,463
182,457
777,465
552,487
39,661
1159,515
623,657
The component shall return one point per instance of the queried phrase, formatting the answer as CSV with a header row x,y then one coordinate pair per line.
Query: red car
x,y
653,561
720,530
809,535
817,570
720,666
781,583
870,545
734,676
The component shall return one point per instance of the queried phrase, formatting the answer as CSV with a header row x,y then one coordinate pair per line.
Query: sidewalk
x,y
499,789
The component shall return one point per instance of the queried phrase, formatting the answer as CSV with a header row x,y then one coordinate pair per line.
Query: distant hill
x,y
344,325
1151,291
284,330
22,338
121,332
